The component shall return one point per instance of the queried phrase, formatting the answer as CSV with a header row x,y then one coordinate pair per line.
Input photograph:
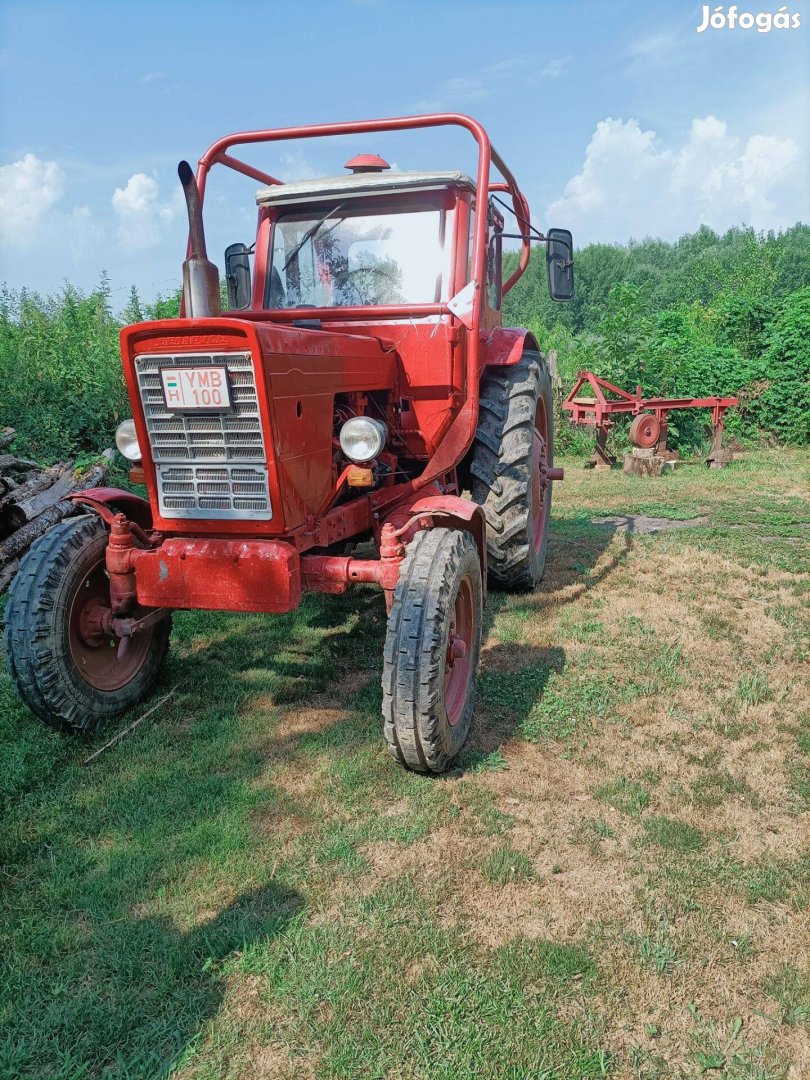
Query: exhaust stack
x,y
200,277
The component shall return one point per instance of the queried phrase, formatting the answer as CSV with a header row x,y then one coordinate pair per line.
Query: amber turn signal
x,y
359,477
137,475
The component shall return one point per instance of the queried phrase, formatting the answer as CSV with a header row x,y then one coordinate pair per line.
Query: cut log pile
x,y
31,499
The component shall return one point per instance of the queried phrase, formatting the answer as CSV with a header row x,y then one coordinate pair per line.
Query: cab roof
x,y
326,187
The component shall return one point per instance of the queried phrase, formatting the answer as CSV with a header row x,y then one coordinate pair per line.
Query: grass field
x,y
614,882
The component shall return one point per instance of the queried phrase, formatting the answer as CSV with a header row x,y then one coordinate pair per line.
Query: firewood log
x,y
13,546
35,495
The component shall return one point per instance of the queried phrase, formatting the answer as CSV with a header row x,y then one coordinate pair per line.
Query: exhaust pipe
x,y
200,277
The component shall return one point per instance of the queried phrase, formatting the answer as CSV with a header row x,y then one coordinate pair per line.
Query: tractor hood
x,y
260,458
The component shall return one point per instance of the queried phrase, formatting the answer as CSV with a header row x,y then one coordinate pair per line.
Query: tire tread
x,y
501,469
32,646
414,658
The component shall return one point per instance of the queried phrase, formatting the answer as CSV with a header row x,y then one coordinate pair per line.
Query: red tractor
x,y
359,383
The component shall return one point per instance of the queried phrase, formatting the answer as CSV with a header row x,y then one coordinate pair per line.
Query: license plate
x,y
189,388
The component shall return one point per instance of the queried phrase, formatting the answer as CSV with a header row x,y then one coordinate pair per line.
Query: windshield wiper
x,y
312,231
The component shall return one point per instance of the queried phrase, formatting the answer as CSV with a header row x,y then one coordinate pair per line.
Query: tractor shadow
x,y
515,676
192,962
178,796
131,887
321,664
582,555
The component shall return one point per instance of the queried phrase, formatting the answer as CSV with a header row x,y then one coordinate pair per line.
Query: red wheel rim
x,y
539,480
645,431
103,661
458,662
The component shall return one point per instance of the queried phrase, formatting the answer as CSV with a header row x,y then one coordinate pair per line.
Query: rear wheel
x,y
432,646
513,449
68,673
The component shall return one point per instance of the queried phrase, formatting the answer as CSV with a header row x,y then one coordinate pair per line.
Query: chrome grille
x,y
208,465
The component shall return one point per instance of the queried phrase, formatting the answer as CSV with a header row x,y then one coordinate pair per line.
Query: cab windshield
x,y
347,257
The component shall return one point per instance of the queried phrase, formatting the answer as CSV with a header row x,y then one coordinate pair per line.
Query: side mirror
x,y
560,264
237,276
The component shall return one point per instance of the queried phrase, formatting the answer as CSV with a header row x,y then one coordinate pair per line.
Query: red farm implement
x,y
359,389
648,429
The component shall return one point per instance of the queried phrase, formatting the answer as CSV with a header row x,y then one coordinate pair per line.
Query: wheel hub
x,y
457,667
94,620
456,649
103,660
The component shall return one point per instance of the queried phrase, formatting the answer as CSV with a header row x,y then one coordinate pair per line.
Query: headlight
x,y
362,438
127,441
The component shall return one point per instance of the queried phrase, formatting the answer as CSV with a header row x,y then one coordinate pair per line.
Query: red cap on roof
x,y
367,163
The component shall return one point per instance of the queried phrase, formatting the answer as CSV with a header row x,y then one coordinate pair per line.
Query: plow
x,y
648,428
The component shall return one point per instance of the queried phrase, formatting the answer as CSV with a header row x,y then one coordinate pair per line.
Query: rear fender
x,y
450,512
505,346
107,500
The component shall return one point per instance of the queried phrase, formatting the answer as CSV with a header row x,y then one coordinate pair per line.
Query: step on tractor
x,y
358,413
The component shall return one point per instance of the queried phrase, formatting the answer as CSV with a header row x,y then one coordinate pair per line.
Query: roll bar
x,y
217,154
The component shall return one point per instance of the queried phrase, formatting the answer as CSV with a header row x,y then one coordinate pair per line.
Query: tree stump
x,y
640,462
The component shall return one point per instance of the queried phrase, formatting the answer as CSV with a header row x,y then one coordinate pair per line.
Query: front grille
x,y
208,465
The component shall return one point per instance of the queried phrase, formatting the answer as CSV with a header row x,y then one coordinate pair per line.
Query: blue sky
x,y
617,117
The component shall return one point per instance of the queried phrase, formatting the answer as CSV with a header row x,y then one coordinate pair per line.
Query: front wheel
x,y
432,645
69,676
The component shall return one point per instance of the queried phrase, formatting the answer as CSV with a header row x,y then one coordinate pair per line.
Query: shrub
x,y
60,368
706,315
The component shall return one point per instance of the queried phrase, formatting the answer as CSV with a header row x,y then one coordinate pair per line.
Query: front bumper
x,y
218,575
256,575
229,575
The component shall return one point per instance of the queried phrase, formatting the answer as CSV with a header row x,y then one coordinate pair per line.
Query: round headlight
x,y
362,438
127,441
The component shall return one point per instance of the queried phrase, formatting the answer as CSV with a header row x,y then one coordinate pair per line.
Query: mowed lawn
x,y
614,882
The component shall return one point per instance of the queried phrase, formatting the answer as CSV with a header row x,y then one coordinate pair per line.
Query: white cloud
x,y
28,189
466,89
154,76
657,49
631,185
504,69
457,91
553,70
82,232
142,217
667,47
297,167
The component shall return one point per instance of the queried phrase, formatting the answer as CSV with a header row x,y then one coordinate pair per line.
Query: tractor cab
x,y
372,238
